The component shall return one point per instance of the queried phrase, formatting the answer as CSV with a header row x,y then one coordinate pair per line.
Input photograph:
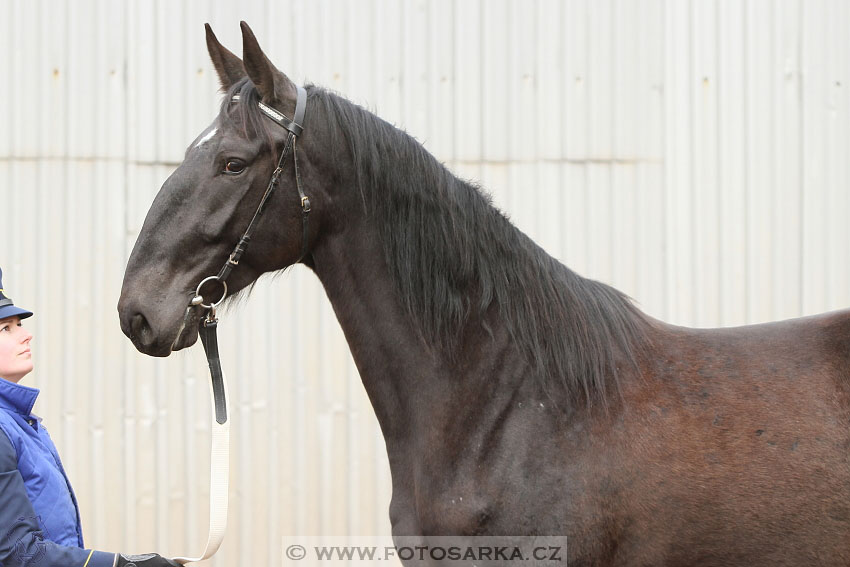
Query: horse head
x,y
205,206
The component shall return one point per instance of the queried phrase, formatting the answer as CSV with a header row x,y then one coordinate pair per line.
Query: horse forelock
x,y
245,115
453,257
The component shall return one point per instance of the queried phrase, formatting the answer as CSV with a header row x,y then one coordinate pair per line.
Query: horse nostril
x,y
140,330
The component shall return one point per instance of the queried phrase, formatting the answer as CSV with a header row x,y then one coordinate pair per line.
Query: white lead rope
x,y
219,482
219,453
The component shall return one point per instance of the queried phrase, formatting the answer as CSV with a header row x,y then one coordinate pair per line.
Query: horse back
x,y
737,446
808,357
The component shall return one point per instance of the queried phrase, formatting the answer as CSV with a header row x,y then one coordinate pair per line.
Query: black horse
x,y
515,396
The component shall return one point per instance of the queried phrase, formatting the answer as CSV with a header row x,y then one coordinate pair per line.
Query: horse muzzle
x,y
150,336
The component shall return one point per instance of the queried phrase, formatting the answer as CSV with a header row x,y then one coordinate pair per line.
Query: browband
x,y
294,125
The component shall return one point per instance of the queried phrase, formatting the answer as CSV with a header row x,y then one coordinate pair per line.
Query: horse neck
x,y
407,379
462,280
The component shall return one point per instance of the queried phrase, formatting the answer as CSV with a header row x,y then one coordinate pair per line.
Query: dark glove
x,y
146,560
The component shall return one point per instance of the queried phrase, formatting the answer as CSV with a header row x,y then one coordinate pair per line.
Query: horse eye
x,y
234,166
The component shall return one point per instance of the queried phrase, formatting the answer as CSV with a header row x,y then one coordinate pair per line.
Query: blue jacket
x,y
39,519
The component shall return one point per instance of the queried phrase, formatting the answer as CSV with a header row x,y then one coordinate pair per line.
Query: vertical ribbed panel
x,y
693,154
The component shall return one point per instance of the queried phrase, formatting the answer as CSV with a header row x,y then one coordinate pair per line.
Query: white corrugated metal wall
x,y
695,154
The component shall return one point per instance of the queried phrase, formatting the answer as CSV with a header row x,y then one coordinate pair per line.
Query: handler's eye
x,y
234,166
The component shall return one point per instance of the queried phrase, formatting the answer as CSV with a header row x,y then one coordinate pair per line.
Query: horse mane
x,y
454,258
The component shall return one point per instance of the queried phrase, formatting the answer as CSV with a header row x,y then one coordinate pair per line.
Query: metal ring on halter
x,y
198,293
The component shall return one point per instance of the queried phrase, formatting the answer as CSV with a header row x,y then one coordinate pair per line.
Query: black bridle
x,y
294,128
207,328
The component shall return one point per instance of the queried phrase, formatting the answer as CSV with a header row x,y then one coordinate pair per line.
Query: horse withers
x,y
515,397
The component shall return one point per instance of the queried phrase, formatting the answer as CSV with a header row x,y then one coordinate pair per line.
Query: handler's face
x,y
15,355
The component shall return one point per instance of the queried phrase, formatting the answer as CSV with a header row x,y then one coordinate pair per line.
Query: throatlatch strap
x,y
220,452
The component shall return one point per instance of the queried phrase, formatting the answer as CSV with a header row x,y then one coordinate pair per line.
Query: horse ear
x,y
271,84
227,65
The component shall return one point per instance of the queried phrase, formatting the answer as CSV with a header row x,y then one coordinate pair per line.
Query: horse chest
x,y
469,505
500,483
453,513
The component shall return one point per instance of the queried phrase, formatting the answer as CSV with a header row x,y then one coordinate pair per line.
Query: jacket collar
x,y
17,398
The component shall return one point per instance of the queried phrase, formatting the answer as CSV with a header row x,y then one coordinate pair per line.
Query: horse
x,y
515,396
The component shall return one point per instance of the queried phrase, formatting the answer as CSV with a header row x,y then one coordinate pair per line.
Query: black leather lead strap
x,y
209,338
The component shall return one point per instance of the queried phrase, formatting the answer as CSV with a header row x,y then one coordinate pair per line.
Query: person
x,y
39,517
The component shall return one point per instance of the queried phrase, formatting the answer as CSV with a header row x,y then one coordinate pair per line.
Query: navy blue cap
x,y
7,307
